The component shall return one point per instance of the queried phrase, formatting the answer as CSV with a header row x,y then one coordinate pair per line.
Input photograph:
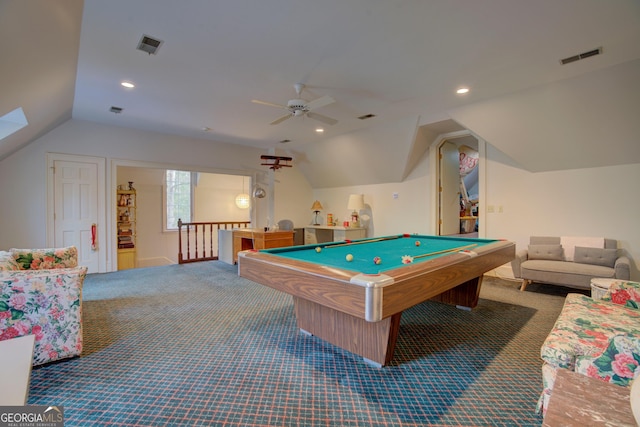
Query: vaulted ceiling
x,y
400,60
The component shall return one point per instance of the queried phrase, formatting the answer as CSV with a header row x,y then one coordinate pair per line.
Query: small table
x,y
578,400
255,238
16,358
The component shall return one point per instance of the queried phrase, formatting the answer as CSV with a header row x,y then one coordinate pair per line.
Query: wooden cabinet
x,y
126,229
249,238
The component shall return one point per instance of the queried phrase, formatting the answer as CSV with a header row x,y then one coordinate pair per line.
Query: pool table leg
x,y
374,341
464,296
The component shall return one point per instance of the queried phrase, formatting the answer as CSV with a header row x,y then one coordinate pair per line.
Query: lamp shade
x,y
356,202
242,201
317,206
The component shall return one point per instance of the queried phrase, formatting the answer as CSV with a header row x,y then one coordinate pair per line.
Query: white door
x,y
449,190
78,214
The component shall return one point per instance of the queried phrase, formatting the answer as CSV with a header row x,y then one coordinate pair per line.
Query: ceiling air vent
x,y
580,56
116,110
149,44
367,116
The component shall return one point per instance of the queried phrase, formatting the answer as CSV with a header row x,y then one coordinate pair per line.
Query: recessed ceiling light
x,y
128,85
319,130
206,129
462,90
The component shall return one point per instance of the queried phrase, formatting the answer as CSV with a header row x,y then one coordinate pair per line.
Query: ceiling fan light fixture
x,y
299,107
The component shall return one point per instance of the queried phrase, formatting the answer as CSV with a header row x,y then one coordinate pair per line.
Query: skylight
x,y
12,122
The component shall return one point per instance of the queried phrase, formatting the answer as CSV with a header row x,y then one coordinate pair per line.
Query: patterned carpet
x,y
196,345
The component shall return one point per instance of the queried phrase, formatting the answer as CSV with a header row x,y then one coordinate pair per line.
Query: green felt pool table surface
x,y
389,249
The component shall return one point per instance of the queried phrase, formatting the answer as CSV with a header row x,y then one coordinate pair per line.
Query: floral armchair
x,y
41,295
596,338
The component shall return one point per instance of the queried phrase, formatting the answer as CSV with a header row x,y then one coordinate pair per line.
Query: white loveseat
x,y
569,261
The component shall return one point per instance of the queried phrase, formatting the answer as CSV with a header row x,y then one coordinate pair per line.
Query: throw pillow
x,y
595,256
42,259
546,252
8,262
618,364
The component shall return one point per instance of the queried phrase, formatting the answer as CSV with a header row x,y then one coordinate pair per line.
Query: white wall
x,y
599,202
592,202
23,175
408,213
581,202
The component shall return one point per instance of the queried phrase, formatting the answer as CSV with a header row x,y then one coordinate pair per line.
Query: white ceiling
x,y
396,59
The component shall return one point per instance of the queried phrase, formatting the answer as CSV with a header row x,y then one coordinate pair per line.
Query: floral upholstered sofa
x,y
41,295
599,338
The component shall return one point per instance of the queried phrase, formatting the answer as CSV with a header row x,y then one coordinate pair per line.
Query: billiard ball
x,y
349,257
377,260
318,249
417,242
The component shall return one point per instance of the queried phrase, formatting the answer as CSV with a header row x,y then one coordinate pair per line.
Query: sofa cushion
x,y
8,262
546,252
584,328
595,256
618,364
566,267
47,304
39,259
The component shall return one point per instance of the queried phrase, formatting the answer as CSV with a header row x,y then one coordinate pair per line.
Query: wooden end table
x,y
578,400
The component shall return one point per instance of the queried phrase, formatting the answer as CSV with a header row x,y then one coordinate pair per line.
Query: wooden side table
x,y
577,400
16,358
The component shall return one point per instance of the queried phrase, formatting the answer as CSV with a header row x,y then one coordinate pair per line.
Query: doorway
x,y
209,196
458,186
75,203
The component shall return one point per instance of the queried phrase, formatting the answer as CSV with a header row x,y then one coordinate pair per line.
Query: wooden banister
x,y
206,236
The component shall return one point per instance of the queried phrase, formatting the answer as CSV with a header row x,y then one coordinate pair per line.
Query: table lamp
x,y
356,203
316,207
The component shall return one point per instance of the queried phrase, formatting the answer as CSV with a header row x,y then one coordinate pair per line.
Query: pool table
x,y
352,293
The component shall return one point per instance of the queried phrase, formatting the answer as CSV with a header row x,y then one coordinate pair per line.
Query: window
x,y
178,198
12,122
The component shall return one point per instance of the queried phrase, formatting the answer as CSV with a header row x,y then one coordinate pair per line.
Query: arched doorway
x,y
458,185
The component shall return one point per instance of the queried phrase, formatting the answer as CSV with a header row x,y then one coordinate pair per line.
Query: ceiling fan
x,y
301,107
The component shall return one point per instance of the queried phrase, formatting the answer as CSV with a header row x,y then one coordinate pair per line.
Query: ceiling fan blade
x,y
320,102
280,120
323,119
270,104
